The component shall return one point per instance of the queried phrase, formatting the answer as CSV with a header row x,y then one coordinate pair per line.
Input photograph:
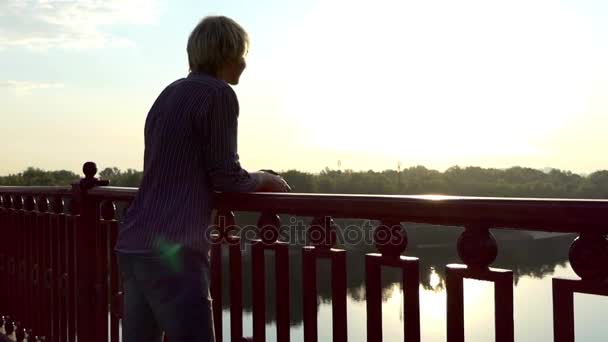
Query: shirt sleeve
x,y
222,160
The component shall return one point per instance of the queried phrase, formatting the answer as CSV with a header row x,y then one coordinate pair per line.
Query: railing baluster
x,y
3,262
322,236
31,320
39,238
11,265
57,226
258,287
25,261
391,241
477,248
373,298
309,288
455,309
282,291
5,237
108,212
269,225
236,277
236,293
216,275
115,294
563,312
503,308
72,223
338,296
21,293
411,299
588,257
46,261
43,260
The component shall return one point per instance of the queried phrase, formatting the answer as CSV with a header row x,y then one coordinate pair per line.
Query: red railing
x,y
59,280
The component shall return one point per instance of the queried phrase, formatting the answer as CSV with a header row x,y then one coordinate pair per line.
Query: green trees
x,y
464,181
35,176
117,177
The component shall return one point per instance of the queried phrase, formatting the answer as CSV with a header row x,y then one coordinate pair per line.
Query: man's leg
x,y
139,323
188,320
178,294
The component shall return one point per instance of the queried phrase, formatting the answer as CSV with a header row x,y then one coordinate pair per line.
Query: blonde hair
x,y
215,41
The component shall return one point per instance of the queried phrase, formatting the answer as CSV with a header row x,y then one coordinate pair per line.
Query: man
x,y
190,151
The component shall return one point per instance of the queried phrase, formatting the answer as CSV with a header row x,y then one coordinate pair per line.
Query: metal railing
x,y
59,280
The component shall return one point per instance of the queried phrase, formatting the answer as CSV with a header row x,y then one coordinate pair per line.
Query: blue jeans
x,y
166,292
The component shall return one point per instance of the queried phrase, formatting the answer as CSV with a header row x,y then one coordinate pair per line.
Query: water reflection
x,y
526,257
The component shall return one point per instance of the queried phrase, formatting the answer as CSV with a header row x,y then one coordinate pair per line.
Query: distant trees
x,y
467,181
464,181
117,177
35,176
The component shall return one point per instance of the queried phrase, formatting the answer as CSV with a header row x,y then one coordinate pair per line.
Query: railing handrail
x,y
556,215
553,215
37,190
545,214
113,192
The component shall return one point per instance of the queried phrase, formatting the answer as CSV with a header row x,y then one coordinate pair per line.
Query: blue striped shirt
x,y
190,151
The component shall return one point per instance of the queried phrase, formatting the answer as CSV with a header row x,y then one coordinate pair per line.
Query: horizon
x,y
436,84
545,170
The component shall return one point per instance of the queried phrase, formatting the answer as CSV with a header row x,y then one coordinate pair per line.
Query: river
x,y
534,263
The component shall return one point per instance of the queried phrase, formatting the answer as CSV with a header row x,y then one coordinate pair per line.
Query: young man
x,y
190,151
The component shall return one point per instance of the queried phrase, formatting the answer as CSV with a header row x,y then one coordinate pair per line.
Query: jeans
x,y
166,292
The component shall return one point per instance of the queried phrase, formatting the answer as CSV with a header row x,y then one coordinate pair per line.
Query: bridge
x,y
59,280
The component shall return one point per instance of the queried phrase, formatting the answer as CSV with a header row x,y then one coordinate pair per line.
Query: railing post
x,y
588,257
478,249
86,255
391,240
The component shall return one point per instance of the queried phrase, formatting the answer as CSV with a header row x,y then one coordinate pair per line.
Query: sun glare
x,y
454,81
435,280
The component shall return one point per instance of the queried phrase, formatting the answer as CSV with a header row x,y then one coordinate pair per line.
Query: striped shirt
x,y
190,152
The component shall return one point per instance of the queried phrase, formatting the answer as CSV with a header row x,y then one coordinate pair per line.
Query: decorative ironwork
x,y
108,210
83,240
89,181
589,256
42,204
17,202
7,201
29,204
477,247
57,204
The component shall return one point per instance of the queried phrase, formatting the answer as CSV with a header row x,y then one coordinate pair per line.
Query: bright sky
x,y
434,83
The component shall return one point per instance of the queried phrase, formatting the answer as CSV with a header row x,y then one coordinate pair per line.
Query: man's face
x,y
234,69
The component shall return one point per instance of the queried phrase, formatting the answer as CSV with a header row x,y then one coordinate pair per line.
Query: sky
x,y
330,83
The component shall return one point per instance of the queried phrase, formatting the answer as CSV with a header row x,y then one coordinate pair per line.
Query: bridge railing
x,y
59,280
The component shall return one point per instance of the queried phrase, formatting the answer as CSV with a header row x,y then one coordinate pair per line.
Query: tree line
x,y
464,181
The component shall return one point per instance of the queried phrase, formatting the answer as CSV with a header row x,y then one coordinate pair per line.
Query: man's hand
x,y
269,182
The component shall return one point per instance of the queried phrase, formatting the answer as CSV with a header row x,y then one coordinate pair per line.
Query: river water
x,y
534,264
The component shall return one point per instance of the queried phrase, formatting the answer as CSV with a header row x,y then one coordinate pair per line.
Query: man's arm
x,y
221,157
